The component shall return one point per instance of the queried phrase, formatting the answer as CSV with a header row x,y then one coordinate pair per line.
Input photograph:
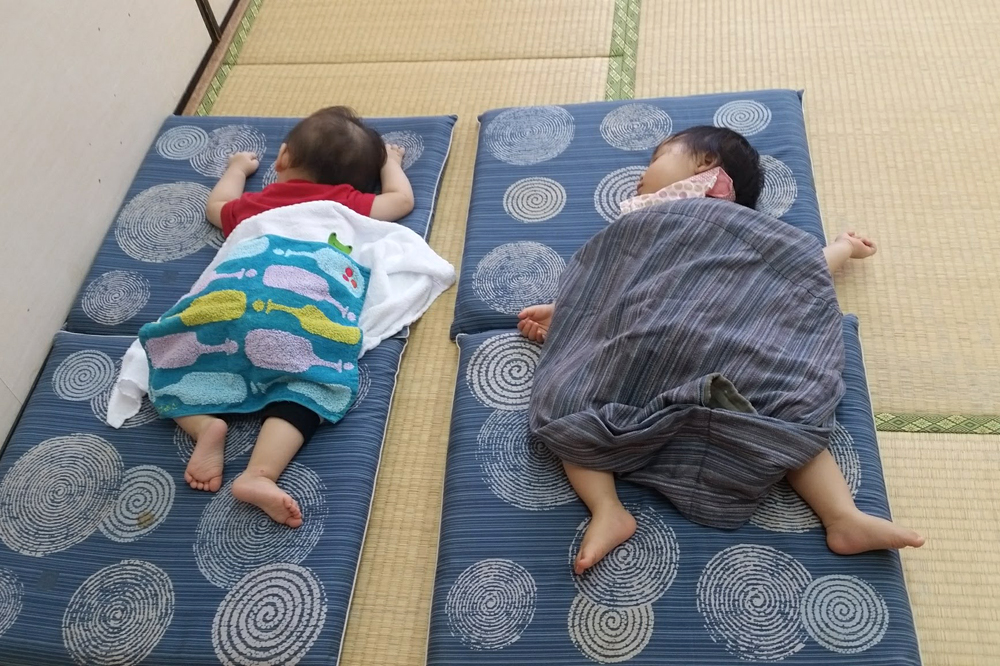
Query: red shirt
x,y
288,193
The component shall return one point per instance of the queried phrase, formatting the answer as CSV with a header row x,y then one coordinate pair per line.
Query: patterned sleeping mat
x,y
546,180
160,240
107,556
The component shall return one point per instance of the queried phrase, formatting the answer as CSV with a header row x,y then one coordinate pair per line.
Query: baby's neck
x,y
294,173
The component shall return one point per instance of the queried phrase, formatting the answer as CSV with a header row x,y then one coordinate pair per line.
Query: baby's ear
x,y
281,163
706,162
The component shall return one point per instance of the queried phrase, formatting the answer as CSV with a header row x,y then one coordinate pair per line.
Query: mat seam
x,y
937,424
371,502
232,56
444,483
423,61
388,416
888,500
620,83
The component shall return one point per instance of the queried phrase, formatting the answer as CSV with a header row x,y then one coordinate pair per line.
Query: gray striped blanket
x,y
695,348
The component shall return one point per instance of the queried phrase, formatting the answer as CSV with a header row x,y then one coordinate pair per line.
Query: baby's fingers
x,y
528,312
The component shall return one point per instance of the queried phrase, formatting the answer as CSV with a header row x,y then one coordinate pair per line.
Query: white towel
x,y
406,277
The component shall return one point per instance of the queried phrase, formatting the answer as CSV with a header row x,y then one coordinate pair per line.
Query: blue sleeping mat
x,y
548,178
160,240
676,593
108,557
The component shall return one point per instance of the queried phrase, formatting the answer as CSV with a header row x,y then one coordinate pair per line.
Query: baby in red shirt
x,y
329,156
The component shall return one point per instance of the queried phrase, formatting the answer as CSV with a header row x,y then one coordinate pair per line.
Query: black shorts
x,y
301,418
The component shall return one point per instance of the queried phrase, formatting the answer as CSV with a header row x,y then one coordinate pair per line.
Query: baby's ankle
x,y
258,473
841,518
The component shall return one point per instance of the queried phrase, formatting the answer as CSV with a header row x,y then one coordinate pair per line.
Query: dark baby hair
x,y
735,155
335,147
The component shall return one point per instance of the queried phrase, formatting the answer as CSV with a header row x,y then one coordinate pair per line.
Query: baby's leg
x,y
610,523
848,531
277,444
204,469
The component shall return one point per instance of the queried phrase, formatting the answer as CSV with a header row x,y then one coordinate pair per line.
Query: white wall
x,y
83,88
220,8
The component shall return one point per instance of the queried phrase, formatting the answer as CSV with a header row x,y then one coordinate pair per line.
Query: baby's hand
x,y
394,153
861,247
248,163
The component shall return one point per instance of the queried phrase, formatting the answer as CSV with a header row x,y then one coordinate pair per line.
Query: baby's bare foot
x,y
859,533
534,321
607,530
204,469
265,494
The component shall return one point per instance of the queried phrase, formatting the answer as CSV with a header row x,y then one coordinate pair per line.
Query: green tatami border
x,y
232,55
624,48
947,424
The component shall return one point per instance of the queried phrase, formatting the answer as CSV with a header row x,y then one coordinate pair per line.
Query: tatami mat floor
x,y
901,107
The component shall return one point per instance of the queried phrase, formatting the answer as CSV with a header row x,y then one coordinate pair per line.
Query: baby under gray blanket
x,y
696,348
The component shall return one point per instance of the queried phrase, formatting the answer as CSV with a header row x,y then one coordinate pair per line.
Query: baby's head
x,y
699,149
332,147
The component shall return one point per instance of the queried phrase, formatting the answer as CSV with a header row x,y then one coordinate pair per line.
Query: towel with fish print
x,y
160,240
276,321
108,558
677,593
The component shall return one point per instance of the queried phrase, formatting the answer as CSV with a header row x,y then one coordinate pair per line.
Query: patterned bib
x,y
714,183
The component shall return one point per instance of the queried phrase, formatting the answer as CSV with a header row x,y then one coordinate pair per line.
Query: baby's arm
x,y
396,200
230,186
847,246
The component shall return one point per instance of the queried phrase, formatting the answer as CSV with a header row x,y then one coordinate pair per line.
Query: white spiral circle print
x,y
215,239
412,143
782,510
529,135
11,599
637,572
779,189
636,126
57,494
164,223
273,615
234,537
83,375
609,635
115,297
119,614
364,385
182,142
240,437
271,175
502,370
615,188
224,142
844,614
516,275
491,603
749,597
534,199
519,468
744,116
146,497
